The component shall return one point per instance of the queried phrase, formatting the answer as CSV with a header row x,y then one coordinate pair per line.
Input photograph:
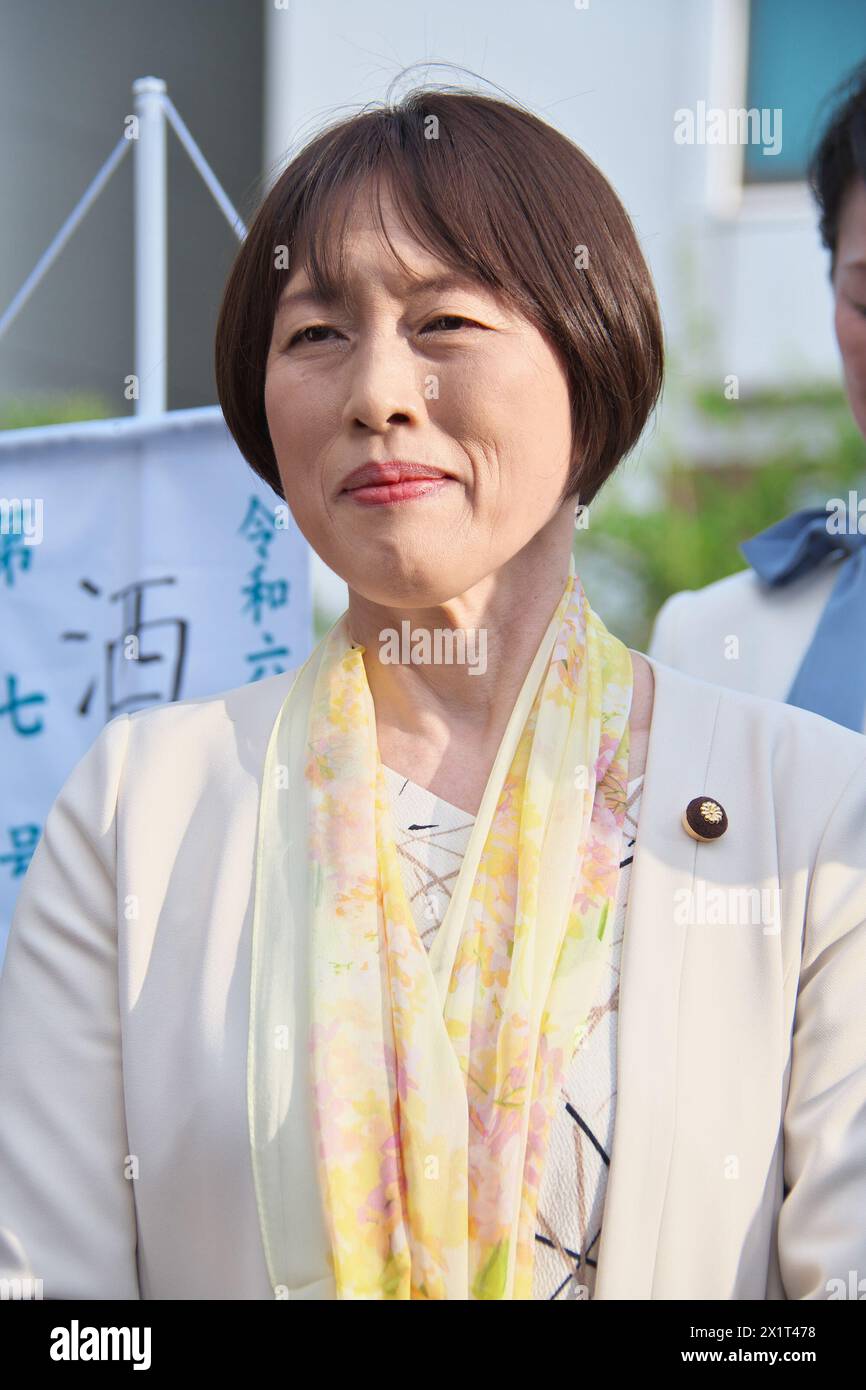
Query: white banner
x,y
140,561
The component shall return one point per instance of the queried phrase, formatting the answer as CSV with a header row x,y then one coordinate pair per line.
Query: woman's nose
x,y
385,384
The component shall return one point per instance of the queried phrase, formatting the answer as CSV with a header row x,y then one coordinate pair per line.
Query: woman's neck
x,y
445,679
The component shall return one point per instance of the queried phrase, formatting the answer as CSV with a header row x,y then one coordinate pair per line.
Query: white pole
x,y
209,178
151,248
49,256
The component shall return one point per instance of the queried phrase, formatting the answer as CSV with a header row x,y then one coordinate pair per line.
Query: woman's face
x,y
445,376
849,283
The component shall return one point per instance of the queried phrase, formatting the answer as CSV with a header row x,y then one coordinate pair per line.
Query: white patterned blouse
x,y
432,836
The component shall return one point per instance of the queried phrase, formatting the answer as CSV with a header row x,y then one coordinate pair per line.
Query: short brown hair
x,y
840,156
490,189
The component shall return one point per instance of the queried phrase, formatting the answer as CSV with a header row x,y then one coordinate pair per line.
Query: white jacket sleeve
x,y
67,1210
822,1221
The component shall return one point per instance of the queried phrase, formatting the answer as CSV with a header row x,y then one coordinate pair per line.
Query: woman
x,y
237,1060
794,611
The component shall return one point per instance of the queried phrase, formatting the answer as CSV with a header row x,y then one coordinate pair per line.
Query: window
x,y
799,51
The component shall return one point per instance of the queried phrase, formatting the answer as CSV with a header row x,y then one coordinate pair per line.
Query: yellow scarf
x,y
434,1076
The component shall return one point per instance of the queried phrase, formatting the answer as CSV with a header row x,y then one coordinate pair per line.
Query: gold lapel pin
x,y
704,818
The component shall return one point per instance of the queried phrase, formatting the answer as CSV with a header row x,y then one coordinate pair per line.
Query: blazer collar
x,y
678,758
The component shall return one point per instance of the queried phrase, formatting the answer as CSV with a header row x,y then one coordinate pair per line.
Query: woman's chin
x,y
411,586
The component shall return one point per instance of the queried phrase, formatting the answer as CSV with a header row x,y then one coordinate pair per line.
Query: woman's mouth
x,y
381,494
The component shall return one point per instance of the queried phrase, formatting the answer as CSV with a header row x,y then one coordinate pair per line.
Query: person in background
x,y
791,627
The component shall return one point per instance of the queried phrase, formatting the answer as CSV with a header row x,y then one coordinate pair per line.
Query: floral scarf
x,y
434,1077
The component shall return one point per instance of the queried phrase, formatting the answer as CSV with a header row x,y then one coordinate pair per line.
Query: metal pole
x,y
151,248
182,132
49,256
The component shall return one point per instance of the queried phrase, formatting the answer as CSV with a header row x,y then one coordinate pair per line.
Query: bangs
x,y
431,210
498,197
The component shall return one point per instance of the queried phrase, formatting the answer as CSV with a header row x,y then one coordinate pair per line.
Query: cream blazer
x,y
739,1154
773,628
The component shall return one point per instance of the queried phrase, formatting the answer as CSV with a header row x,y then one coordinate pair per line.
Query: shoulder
x,y
733,593
745,593
685,615
247,712
682,691
741,632
180,746
799,759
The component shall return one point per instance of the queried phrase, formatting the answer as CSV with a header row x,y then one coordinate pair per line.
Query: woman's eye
x,y
449,318
312,328
446,323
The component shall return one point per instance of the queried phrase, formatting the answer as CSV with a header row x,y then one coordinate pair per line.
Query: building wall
x,y
742,282
66,74
743,289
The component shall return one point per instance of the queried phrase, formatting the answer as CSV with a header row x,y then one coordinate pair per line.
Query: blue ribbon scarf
x,y
831,679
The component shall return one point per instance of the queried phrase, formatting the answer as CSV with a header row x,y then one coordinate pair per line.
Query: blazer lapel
x,y
678,753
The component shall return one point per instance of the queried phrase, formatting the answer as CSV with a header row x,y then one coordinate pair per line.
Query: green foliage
x,y
24,412
691,535
712,402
